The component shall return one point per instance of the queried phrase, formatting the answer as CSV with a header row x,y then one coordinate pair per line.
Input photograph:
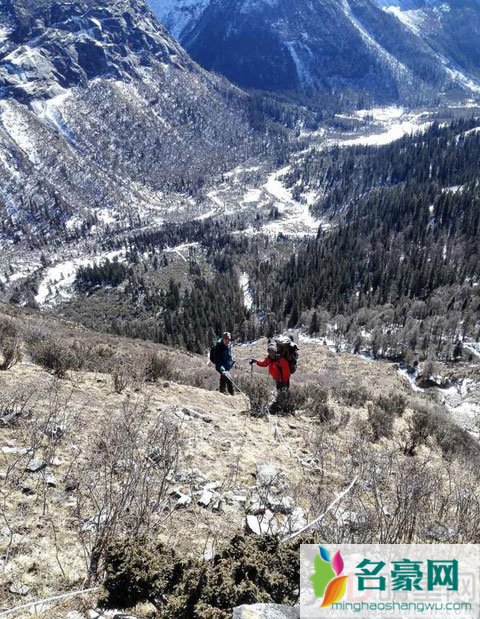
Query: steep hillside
x,y
77,447
325,46
450,28
395,267
101,114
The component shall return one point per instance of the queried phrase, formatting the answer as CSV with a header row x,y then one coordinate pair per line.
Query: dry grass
x,y
225,444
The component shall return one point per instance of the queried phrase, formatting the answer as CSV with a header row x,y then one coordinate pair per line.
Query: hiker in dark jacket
x,y
224,362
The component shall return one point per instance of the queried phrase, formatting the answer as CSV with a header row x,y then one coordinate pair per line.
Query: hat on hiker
x,y
272,347
227,335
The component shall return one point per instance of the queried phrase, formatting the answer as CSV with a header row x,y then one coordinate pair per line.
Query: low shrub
x,y
381,422
354,396
394,403
158,367
258,392
54,356
10,344
249,569
431,421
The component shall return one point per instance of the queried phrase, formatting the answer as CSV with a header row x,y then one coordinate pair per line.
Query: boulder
x,y
265,524
266,611
55,431
183,501
282,505
18,588
205,498
49,478
269,476
34,465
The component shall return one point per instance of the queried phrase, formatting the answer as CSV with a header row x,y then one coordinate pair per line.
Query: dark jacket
x,y
224,359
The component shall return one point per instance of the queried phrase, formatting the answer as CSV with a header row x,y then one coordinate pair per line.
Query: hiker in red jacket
x,y
277,366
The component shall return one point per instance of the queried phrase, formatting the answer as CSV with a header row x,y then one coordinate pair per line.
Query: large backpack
x,y
287,348
214,354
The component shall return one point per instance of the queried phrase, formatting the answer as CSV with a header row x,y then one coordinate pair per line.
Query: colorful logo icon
x,y
327,580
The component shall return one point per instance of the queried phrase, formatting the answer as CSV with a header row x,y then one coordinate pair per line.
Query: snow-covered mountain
x,y
376,46
101,112
452,30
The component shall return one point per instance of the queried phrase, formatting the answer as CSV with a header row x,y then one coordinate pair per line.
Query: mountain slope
x,y
76,451
311,47
450,28
101,111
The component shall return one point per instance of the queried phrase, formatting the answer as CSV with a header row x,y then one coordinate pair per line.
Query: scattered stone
x,y
55,461
264,524
29,491
17,451
297,520
5,531
49,478
266,611
183,501
123,616
34,465
269,475
213,485
74,614
71,484
55,431
217,506
18,588
282,505
205,498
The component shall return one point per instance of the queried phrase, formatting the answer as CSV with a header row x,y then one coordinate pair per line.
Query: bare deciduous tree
x,y
122,479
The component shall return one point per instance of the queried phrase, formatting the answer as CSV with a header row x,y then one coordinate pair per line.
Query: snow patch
x,y
303,71
177,15
397,125
245,287
295,217
413,20
58,280
252,195
50,111
4,33
14,121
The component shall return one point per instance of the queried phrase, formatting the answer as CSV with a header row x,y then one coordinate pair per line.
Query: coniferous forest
x,y
393,269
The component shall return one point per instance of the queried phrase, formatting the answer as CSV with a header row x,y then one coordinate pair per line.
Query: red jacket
x,y
279,370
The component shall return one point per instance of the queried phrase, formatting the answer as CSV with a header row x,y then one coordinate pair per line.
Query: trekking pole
x,y
228,375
